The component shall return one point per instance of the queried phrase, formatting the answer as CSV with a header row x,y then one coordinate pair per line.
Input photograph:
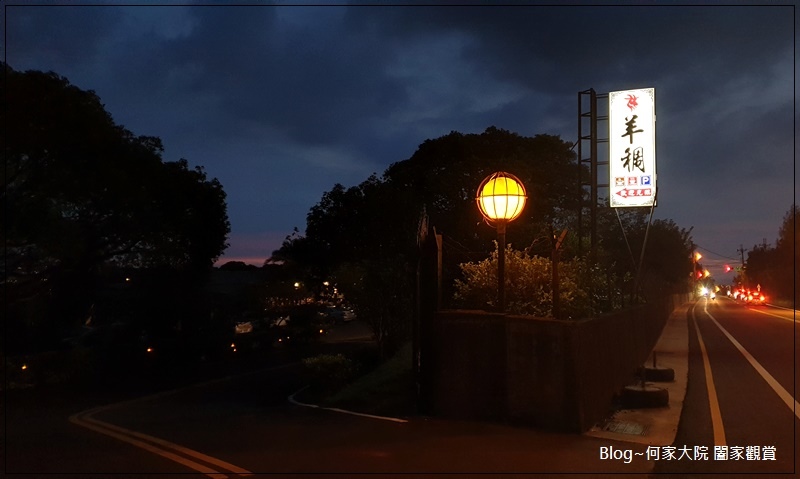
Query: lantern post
x,y
501,198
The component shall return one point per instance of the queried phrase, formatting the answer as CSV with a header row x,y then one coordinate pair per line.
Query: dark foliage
x,y
81,194
774,268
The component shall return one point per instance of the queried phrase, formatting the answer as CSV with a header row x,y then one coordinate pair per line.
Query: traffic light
x,y
699,274
728,268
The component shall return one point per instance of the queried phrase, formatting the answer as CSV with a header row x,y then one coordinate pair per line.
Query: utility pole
x,y
741,251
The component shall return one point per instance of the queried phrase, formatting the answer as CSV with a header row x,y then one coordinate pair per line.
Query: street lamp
x,y
501,198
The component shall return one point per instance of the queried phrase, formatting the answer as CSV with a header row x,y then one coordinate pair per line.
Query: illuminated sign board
x,y
632,147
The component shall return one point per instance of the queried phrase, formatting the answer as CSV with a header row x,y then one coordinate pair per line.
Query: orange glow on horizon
x,y
255,261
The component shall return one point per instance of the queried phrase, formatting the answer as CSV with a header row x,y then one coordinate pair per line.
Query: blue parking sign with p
x,y
646,180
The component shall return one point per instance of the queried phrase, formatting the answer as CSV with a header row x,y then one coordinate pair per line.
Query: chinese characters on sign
x,y
632,147
691,453
704,453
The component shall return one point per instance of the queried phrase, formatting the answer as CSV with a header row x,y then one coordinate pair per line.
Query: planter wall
x,y
556,374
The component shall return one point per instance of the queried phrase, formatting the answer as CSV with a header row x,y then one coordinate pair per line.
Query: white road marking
x,y
787,398
775,315
713,402
336,409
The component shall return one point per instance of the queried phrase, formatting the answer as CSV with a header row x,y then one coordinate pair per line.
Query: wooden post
x,y
428,301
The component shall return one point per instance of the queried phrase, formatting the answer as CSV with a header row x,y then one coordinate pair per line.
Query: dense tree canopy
x,y
379,217
666,262
774,268
377,222
365,237
444,174
81,192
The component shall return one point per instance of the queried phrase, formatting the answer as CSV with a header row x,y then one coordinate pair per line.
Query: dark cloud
x,y
263,96
545,46
61,37
311,81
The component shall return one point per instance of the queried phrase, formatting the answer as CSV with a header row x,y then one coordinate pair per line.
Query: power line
x,y
716,254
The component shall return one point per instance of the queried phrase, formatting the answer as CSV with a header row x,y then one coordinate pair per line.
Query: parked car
x,y
243,327
340,315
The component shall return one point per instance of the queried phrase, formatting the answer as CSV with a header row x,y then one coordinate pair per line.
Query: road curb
x,y
294,401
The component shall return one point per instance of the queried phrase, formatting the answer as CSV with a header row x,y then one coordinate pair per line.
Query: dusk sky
x,y
282,102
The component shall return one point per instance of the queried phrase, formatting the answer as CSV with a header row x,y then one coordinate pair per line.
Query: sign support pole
x,y
644,245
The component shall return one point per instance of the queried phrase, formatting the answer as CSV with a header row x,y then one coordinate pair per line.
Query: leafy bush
x,y
329,372
584,291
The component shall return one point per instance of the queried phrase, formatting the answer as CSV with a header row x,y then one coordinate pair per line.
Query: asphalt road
x,y
47,432
243,424
741,391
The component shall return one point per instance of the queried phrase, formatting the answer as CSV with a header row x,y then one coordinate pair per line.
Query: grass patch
x,y
387,391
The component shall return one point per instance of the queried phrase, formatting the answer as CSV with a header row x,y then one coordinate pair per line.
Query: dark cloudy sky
x,y
281,102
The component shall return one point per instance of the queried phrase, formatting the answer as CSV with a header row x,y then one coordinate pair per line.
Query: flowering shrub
x,y
584,291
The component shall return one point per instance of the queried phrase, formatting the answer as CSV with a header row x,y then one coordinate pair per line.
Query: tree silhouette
x,y
81,193
774,268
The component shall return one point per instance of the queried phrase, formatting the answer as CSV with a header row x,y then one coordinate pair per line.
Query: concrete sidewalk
x,y
657,426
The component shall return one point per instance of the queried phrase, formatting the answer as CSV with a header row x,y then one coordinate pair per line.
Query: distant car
x,y
349,315
244,327
340,315
751,297
755,298
281,322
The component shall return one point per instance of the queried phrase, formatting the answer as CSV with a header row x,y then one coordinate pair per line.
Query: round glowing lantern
x,y
501,197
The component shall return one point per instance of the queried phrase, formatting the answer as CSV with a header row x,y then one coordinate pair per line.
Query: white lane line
x,y
713,402
344,411
775,315
787,398
781,307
